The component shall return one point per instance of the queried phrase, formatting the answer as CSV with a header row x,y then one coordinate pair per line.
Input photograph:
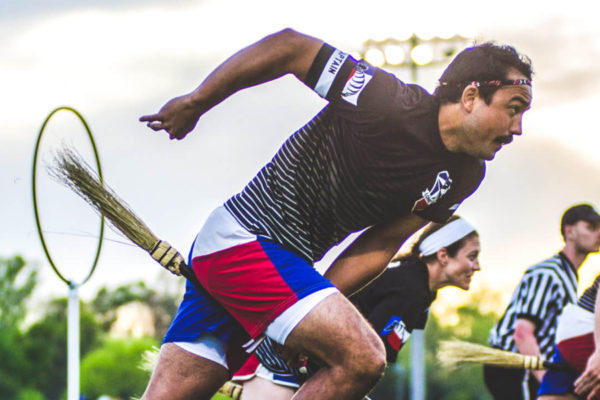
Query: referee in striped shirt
x,y
529,323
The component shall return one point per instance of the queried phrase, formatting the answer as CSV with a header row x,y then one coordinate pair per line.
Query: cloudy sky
x,y
116,60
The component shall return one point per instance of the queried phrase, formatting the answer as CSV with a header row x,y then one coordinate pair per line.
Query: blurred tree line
x,y
34,358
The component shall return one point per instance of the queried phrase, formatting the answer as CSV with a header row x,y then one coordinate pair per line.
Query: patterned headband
x,y
496,82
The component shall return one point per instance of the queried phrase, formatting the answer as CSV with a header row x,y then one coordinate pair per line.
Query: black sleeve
x,y
339,78
394,319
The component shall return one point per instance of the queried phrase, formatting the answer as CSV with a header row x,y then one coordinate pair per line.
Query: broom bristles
x,y
150,359
453,353
75,173
71,170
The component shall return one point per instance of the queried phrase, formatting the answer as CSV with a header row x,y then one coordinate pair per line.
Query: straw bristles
x,y
150,359
453,353
79,176
71,170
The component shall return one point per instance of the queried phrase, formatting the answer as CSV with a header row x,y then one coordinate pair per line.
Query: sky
x,y
114,61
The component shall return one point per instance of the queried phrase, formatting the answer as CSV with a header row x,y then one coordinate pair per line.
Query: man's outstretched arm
x,y
370,253
276,55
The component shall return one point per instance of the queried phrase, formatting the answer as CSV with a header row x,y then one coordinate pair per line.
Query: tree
x,y
464,383
17,281
45,347
114,369
107,301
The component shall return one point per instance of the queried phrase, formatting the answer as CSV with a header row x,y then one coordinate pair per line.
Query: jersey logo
x,y
440,187
330,72
358,80
396,333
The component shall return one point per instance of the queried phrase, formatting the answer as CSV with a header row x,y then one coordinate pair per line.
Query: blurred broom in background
x,y
150,359
452,353
70,169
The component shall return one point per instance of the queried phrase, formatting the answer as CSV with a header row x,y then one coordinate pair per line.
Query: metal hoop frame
x,y
34,193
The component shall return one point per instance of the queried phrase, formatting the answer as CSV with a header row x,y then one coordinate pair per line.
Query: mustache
x,y
503,139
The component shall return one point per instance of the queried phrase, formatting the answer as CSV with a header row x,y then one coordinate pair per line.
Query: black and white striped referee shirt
x,y
540,296
373,154
587,300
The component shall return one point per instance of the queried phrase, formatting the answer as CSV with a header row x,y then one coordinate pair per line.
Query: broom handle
x,y
557,366
532,362
172,260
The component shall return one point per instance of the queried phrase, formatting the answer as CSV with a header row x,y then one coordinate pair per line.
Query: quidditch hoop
x,y
34,193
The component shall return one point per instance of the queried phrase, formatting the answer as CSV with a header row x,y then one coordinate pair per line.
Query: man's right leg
x,y
335,333
180,374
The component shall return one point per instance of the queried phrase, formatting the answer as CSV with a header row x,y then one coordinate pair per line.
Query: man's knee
x,y
369,363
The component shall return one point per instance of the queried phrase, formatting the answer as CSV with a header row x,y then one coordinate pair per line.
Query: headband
x,y
496,82
445,236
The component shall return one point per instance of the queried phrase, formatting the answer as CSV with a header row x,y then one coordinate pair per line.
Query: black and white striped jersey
x,y
372,154
540,296
588,298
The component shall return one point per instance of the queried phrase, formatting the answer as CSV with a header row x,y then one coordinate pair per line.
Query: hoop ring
x,y
34,193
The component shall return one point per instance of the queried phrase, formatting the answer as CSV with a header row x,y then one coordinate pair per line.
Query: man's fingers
x,y
593,393
151,117
156,126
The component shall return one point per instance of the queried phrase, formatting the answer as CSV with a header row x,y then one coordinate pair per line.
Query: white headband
x,y
445,236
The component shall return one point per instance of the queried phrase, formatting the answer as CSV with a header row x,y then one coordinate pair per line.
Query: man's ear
x,y
469,95
442,256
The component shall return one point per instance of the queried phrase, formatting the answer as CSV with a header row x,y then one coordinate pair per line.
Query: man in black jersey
x,y
383,155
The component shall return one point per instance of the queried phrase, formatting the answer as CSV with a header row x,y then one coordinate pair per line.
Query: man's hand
x,y
293,358
178,117
588,382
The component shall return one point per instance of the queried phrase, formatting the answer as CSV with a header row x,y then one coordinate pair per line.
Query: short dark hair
x,y
576,213
484,62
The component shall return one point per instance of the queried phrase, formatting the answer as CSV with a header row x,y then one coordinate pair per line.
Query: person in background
x,y
395,304
528,325
578,346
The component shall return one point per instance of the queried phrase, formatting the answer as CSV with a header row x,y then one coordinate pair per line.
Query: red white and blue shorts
x,y
250,286
574,345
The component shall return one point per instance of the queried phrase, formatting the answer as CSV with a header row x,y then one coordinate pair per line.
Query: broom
x,y
70,169
150,359
453,353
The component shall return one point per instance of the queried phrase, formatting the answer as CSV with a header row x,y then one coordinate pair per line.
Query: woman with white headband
x,y
395,303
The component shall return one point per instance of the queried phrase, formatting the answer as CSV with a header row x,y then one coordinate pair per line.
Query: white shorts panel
x,y
220,231
281,327
207,346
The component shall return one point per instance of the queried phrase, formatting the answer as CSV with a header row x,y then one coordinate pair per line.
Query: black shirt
x,y
374,153
396,303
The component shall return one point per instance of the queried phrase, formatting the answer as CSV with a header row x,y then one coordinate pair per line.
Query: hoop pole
x,y
417,365
73,344
73,320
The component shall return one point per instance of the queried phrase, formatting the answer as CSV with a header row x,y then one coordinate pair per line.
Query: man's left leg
x,y
336,333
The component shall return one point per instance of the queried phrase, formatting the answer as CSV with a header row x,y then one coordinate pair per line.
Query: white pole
x,y
417,365
73,344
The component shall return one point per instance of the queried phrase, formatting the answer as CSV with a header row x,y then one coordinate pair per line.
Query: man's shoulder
x,y
551,266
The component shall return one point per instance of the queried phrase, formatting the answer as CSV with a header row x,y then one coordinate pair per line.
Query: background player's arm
x,y
370,253
276,55
526,342
589,381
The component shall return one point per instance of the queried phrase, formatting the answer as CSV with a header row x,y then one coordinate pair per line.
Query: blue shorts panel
x,y
200,312
558,381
